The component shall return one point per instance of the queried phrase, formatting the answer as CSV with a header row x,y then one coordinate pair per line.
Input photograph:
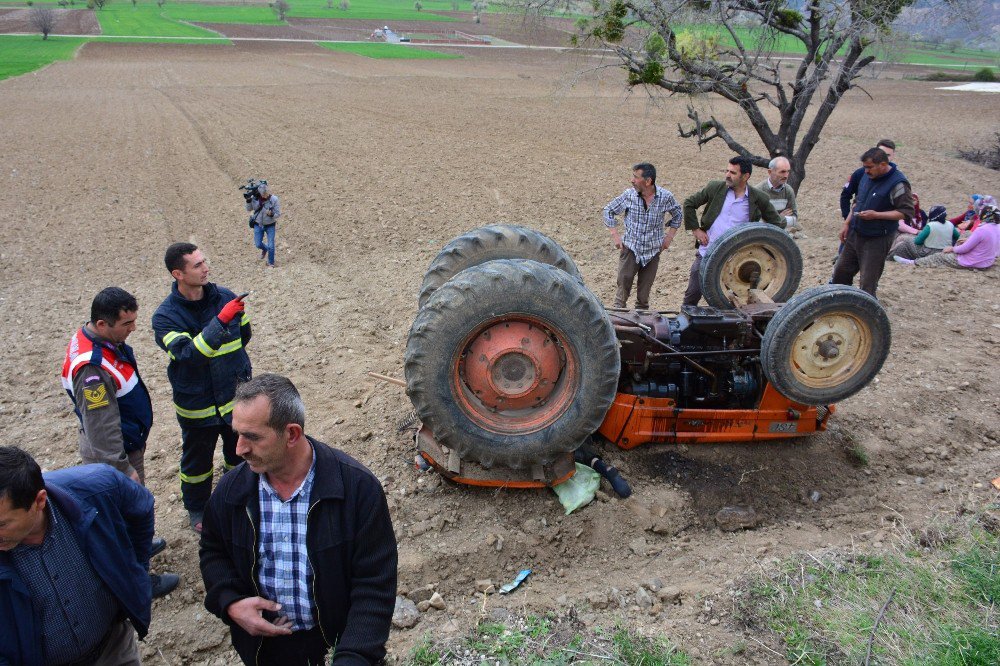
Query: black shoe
x,y
163,584
158,546
196,518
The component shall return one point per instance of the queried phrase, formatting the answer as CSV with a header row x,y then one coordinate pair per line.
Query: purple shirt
x,y
734,211
982,248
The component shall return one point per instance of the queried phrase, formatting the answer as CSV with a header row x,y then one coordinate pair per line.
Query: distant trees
x,y
479,6
344,5
43,20
418,5
281,8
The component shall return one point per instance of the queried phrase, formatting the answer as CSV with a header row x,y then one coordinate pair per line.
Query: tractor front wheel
x,y
825,344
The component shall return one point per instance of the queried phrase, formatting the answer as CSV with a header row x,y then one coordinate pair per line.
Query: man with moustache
x,y
298,553
728,203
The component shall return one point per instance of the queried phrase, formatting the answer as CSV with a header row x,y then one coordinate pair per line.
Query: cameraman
x,y
265,211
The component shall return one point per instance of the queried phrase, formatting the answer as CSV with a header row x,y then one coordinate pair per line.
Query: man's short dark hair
x,y
109,303
286,403
875,155
174,258
744,163
648,171
20,477
888,143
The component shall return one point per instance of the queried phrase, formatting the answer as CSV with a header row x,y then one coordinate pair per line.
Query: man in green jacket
x,y
727,203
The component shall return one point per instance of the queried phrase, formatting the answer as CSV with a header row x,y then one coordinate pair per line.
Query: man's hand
x,y
230,310
844,231
868,215
248,613
701,236
270,212
134,475
786,212
947,250
666,243
616,239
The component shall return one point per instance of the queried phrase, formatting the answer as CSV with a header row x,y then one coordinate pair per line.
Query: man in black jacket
x,y
297,552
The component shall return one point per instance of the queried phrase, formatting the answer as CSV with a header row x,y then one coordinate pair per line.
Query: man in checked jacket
x,y
645,206
204,331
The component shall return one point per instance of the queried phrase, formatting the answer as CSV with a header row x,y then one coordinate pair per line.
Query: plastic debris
x,y
516,583
579,490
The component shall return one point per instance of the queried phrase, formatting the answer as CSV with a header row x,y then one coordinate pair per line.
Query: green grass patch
x,y
144,20
253,15
939,589
23,54
546,640
381,10
389,51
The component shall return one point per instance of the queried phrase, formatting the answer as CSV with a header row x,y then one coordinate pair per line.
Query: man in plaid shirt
x,y
297,549
645,207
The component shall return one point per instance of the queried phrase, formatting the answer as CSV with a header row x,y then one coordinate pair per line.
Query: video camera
x,y
250,189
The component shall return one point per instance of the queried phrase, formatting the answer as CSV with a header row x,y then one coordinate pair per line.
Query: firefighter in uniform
x,y
109,397
204,331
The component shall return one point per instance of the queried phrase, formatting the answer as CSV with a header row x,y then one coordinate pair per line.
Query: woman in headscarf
x,y
979,251
936,235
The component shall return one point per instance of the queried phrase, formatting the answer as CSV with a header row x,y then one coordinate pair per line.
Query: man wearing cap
x,y
936,235
644,207
264,212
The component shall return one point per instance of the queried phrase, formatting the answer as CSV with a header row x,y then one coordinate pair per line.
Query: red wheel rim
x,y
514,375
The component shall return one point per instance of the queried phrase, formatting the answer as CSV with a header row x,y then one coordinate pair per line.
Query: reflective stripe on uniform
x,y
196,478
227,466
226,408
173,335
208,412
246,319
228,348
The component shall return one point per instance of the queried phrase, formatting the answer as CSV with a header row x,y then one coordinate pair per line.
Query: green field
x,y
256,15
380,10
387,51
144,20
20,55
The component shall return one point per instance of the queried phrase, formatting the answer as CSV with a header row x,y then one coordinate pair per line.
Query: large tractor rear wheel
x,y
512,362
750,256
498,241
825,344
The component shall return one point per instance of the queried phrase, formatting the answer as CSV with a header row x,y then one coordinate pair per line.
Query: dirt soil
x,y
111,157
68,21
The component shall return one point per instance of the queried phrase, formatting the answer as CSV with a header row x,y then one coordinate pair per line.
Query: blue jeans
x,y
258,240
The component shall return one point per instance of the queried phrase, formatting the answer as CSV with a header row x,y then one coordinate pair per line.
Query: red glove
x,y
230,310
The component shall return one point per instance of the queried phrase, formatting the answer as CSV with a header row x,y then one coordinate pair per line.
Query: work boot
x,y
157,546
196,518
163,584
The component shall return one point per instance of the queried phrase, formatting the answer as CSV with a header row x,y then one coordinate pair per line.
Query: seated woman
x,y
979,251
968,221
938,234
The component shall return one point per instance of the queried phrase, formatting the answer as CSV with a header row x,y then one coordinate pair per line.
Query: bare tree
x,y
666,44
281,8
479,6
43,20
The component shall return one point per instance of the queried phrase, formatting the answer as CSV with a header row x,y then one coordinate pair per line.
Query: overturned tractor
x,y
512,363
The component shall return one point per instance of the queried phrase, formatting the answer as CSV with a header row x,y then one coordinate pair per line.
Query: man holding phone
x,y
884,198
204,330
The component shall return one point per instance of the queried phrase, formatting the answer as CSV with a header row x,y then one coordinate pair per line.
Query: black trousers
x,y
302,648
197,454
